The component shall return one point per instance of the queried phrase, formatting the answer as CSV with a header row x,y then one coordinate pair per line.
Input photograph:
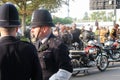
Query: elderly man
x,y
53,54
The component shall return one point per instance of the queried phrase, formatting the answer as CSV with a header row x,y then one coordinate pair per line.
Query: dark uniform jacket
x,y
18,60
53,55
76,34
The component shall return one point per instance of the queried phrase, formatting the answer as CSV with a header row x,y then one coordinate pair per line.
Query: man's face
x,y
36,32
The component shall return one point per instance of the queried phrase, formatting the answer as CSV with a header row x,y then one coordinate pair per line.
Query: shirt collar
x,y
45,39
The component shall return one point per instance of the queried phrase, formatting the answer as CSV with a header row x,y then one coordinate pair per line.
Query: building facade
x,y
103,4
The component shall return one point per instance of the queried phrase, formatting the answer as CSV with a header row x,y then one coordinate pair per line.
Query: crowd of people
x,y
83,34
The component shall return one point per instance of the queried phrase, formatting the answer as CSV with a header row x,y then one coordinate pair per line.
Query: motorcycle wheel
x,y
75,64
102,63
116,56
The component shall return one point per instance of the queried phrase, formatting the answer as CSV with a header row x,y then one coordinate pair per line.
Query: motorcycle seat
x,y
77,52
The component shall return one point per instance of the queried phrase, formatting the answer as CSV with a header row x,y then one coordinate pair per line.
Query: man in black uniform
x,y
53,53
18,59
76,33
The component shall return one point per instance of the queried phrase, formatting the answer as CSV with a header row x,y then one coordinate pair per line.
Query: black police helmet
x,y
41,18
9,16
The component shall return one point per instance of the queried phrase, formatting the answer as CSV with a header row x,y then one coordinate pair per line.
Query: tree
x,y
86,17
110,16
100,16
94,16
66,20
26,7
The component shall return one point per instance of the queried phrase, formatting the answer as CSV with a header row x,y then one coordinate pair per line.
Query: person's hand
x,y
61,75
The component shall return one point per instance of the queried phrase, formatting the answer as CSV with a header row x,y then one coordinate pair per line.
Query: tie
x,y
37,44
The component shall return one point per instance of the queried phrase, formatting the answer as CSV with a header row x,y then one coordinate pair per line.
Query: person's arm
x,y
61,75
36,69
64,62
111,33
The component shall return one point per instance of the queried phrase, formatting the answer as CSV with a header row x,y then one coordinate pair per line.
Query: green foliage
x,y
22,38
86,17
26,9
66,20
110,16
99,15
28,20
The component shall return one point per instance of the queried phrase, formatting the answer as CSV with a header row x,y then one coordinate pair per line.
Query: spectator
x,y
76,33
103,31
114,32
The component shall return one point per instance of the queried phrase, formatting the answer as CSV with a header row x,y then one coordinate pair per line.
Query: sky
x,y
77,9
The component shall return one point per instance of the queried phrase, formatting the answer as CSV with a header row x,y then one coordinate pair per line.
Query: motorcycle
x,y
91,56
113,50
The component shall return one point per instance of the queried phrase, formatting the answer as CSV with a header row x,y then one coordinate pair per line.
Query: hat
x,y
9,16
41,18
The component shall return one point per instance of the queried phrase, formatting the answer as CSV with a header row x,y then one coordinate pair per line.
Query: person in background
x,y
107,32
82,29
56,32
114,32
97,34
53,53
18,59
87,35
103,31
57,26
76,33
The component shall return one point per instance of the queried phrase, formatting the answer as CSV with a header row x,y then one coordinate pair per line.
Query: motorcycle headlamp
x,y
92,51
91,43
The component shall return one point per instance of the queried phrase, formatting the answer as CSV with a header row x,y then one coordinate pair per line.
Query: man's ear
x,y
44,29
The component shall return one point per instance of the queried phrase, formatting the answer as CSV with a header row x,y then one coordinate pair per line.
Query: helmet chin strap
x,y
38,35
34,39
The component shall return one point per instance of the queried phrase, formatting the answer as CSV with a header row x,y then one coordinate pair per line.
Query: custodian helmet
x,y
9,16
41,18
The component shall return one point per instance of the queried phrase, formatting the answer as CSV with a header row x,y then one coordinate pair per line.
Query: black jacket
x,y
76,34
18,60
54,55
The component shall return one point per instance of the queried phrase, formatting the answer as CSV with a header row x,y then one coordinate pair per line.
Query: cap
x,y
41,18
9,16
